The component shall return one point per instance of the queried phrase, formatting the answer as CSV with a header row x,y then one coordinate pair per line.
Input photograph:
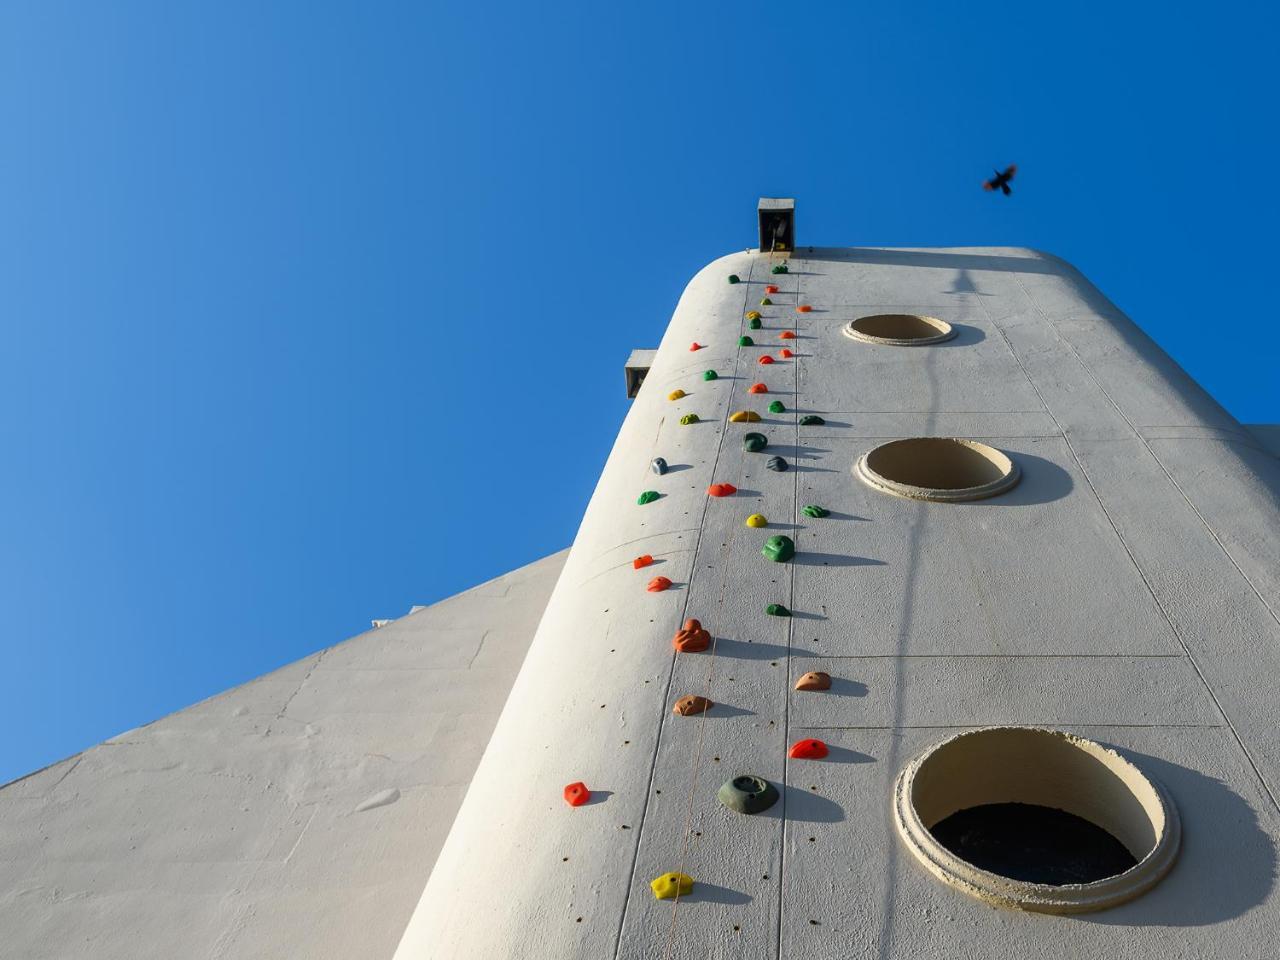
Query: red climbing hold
x,y
771,288
721,490
803,308
757,388
658,584
784,353
644,561
695,346
693,638
576,794
787,335
808,750
765,360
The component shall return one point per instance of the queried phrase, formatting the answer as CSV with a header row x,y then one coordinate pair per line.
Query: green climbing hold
x,y
777,407
766,302
779,549
815,511
754,442
748,794
734,278
711,375
689,418
745,341
780,268
777,610
648,497
755,324
811,420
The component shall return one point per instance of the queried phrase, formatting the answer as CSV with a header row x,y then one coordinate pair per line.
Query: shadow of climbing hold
x,y
691,638
779,549
754,442
779,268
745,341
766,302
757,520
734,278
803,308
787,335
671,885
765,360
807,750
689,418
815,511
771,288
777,407
814,680
754,323
658,584
748,794
776,464
658,465
785,354
695,346
710,375
777,610
811,420
576,794
643,561
691,705
757,388
744,416
721,490
648,497
676,395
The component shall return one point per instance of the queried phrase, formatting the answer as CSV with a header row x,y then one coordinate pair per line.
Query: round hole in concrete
x,y
938,468
899,329
1008,782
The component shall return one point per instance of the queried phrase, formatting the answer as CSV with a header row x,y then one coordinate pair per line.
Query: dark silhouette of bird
x,y
1001,180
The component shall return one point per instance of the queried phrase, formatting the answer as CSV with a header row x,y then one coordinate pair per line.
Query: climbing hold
x,y
754,442
807,750
777,407
757,388
776,464
643,561
787,335
753,314
748,794
691,638
771,288
658,466
814,680
779,549
734,278
721,490
779,268
745,341
777,610
744,416
811,420
785,354
710,375
676,395
689,418
695,346
803,308
648,497
754,323
757,520
669,886
658,584
691,705
765,360
766,302
576,794
815,511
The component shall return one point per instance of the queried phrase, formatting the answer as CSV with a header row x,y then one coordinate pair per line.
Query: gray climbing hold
x,y
658,465
776,464
754,442
811,420
748,794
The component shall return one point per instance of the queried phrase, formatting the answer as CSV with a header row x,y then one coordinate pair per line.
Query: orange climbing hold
x,y
658,584
695,346
771,288
576,794
692,638
787,335
692,705
643,561
757,388
765,360
785,354
721,490
807,750
803,308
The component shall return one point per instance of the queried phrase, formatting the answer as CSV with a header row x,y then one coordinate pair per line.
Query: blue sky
x,y
312,311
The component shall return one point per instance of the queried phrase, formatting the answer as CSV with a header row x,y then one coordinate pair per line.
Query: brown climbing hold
x,y
814,680
803,308
765,360
744,416
807,750
695,346
785,354
721,490
658,584
576,794
787,335
771,288
757,388
692,704
691,638
642,561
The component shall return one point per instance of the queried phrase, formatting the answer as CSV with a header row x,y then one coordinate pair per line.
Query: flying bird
x,y
1001,180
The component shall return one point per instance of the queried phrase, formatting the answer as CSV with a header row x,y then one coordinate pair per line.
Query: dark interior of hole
x,y
936,464
896,326
1034,844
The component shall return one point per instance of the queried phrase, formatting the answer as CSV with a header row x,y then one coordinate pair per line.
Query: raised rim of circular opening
x,y
938,468
899,329
1047,768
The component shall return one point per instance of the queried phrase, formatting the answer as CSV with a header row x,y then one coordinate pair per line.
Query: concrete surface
x,y
296,816
1127,590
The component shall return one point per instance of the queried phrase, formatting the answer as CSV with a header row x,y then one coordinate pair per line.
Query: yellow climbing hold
x,y
672,885
744,416
757,520
753,314
676,394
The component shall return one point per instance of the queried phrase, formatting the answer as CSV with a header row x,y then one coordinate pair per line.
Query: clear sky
x,y
313,311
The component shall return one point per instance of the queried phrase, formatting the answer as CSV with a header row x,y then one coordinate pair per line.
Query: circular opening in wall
x,y
937,468
899,329
1036,819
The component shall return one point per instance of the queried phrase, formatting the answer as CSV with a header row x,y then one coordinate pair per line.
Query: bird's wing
x,y
1010,171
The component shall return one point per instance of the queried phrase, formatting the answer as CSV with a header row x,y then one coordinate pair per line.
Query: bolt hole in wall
x,y
1036,819
899,329
938,468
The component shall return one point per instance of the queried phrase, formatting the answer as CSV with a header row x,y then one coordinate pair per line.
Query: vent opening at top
x,y
937,468
899,329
